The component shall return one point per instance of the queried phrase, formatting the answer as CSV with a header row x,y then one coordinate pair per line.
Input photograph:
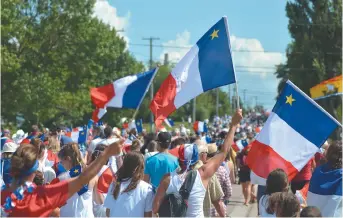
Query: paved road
x,y
236,208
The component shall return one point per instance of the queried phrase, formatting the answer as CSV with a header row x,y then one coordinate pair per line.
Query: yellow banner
x,y
327,88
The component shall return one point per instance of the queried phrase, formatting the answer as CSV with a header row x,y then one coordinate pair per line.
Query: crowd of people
x,y
168,174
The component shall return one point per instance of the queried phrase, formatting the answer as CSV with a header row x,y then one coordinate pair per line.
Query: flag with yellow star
x,y
294,131
78,134
207,65
76,171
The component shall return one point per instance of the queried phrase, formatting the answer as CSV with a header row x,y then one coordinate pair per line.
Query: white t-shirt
x,y
93,145
107,142
130,204
263,205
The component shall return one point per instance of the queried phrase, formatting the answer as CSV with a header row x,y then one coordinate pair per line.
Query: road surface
x,y
236,208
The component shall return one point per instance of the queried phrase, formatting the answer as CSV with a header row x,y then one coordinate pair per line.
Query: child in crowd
x,y
277,181
283,204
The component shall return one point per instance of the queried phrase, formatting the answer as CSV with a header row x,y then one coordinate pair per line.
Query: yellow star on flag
x,y
214,34
289,99
76,171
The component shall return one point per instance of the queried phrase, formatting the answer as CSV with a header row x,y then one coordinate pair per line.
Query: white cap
x,y
10,147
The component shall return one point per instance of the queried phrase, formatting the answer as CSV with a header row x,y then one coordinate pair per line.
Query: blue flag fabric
x,y
82,135
139,125
76,171
171,122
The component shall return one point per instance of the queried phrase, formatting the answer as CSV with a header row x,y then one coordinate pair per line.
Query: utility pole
x,y
194,109
151,39
244,91
217,102
256,102
229,93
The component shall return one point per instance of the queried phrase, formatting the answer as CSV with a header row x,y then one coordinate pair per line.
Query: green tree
x,y
315,53
53,52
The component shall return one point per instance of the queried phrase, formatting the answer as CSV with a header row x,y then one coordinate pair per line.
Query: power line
x,y
237,51
151,39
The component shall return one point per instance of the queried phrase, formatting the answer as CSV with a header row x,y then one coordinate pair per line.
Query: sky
x,y
258,33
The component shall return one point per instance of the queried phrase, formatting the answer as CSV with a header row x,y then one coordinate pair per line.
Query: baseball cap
x,y
164,138
10,147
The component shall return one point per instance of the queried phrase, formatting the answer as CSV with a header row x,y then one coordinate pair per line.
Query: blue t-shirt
x,y
158,165
5,170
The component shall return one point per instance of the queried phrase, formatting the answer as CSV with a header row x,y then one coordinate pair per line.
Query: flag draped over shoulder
x,y
327,88
295,130
206,66
325,191
126,92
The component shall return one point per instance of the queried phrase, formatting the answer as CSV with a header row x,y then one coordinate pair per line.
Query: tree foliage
x,y
315,53
53,51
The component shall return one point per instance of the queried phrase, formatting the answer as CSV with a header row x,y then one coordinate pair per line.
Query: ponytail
x,y
72,150
132,168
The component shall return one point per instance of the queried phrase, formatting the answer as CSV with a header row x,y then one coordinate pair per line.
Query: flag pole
x,y
234,71
146,90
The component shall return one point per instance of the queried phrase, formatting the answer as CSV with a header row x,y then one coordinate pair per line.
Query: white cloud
x,y
108,14
175,54
254,57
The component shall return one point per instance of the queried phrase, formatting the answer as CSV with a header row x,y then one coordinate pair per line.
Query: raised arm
x,y
160,193
212,165
75,184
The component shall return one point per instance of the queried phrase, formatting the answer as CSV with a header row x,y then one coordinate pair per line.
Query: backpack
x,y
175,204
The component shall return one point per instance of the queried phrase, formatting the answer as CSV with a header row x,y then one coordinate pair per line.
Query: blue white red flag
x,y
295,130
206,66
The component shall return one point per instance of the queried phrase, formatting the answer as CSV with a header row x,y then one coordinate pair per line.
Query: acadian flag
x,y
327,88
295,130
136,124
78,135
325,191
126,92
73,172
199,126
169,122
206,66
98,113
239,145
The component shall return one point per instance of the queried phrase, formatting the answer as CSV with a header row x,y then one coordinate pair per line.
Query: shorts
x,y
244,175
